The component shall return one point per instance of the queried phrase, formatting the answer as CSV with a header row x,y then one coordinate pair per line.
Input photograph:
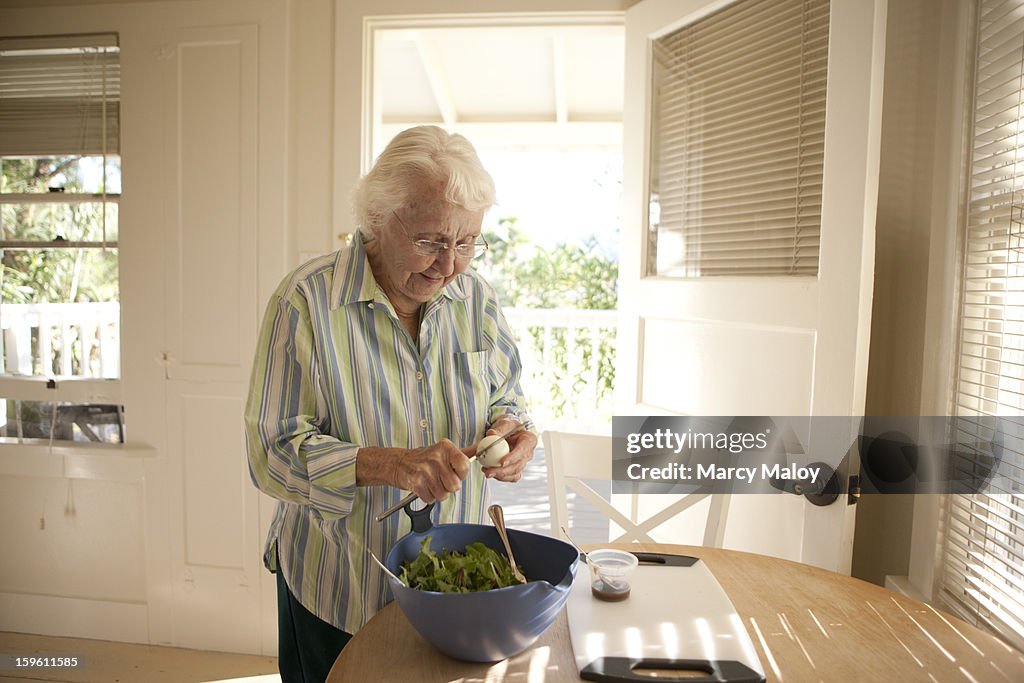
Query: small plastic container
x,y
610,573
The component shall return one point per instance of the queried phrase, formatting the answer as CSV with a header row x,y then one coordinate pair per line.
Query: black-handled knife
x,y
412,496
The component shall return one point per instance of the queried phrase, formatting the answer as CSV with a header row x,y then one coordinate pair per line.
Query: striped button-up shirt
x,y
335,371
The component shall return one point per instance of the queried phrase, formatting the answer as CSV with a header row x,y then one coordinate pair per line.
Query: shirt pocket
x,y
471,393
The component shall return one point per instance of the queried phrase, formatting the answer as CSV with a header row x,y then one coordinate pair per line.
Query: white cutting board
x,y
675,617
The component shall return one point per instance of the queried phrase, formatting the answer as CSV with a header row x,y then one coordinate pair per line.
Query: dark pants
x,y
307,645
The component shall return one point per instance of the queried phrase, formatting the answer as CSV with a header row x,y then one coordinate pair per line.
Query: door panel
x,y
761,345
687,378
217,488
216,540
212,146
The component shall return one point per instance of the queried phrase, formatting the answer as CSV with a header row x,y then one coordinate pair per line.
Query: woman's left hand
x,y
520,445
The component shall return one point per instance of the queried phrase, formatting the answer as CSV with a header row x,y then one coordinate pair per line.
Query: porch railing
x,y
568,354
568,365
61,340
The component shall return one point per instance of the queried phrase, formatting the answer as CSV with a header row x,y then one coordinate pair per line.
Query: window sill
x,y
64,389
72,460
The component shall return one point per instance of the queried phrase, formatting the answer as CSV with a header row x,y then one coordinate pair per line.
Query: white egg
x,y
492,457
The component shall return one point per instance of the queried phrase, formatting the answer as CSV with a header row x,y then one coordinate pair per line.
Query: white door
x,y
222,173
764,345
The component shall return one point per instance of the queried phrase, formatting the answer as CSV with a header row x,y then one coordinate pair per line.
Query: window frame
x,y
52,387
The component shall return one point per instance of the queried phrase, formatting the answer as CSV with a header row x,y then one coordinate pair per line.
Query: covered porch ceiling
x,y
503,87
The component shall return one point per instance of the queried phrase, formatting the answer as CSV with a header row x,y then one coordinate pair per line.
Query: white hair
x,y
415,158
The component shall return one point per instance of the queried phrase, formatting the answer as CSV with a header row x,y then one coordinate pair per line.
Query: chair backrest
x,y
572,458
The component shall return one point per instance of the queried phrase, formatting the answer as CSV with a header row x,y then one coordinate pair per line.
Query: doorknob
x,y
822,490
828,490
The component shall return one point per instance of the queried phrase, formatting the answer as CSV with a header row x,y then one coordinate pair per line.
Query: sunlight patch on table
x,y
767,650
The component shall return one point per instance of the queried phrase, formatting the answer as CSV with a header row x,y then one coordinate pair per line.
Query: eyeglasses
x,y
463,252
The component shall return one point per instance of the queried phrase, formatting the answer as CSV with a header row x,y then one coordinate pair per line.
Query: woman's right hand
x,y
434,471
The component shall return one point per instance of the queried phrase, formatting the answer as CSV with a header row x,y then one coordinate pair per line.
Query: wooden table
x,y
807,624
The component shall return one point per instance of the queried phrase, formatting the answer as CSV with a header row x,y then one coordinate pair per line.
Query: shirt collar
x,y
354,281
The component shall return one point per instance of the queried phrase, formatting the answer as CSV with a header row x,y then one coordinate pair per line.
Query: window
x,y
60,187
737,142
983,555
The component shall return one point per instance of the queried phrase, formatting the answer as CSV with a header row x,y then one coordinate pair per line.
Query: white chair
x,y
571,458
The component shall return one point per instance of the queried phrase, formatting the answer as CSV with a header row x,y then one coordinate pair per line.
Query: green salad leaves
x,y
478,569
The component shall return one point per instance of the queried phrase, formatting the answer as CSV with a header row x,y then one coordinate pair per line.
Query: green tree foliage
x,y
54,275
568,276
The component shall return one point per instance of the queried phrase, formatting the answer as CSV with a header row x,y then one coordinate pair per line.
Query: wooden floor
x,y
526,508
526,505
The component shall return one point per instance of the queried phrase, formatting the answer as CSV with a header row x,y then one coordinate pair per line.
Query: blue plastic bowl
x,y
486,626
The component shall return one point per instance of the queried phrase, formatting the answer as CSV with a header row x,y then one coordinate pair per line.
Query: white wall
x,y
915,264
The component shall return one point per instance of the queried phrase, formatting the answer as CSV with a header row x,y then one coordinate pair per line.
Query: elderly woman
x,y
377,369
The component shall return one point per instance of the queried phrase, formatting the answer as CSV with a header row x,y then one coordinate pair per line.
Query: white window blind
x,y
59,95
737,141
983,556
